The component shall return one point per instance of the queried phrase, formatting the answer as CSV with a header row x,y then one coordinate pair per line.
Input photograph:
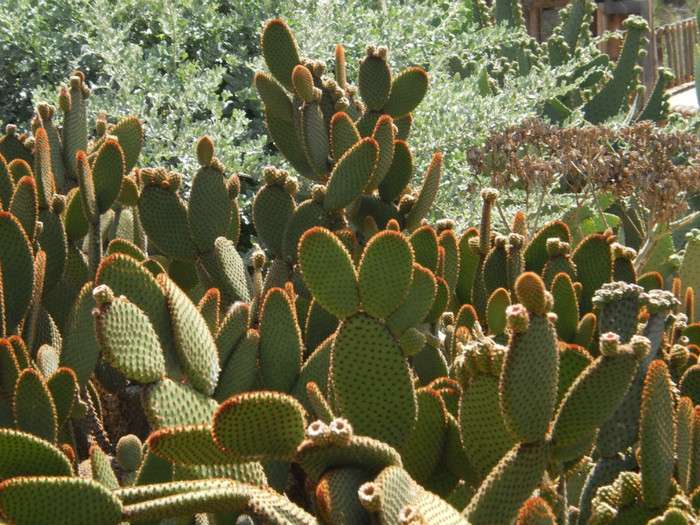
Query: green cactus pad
x,y
391,491
320,324
468,261
532,359
188,445
129,452
425,247
11,148
274,97
231,330
508,485
127,248
688,272
33,406
684,442
81,349
164,216
426,194
194,343
315,369
63,386
102,471
268,506
23,454
227,272
351,174
536,251
209,208
484,435
336,496
573,360
399,174
344,134
265,426
281,345
657,435
129,133
448,241
496,311
495,272
423,448
362,452
86,184
280,52
272,209
7,184
42,169
315,139
52,240
372,381
382,290
9,370
565,306
75,133
593,398
169,404
374,82
208,306
303,83
407,91
75,219
306,216
329,272
531,292
593,260
65,501
384,135
129,342
238,375
107,173
285,137
24,205
18,169
442,296
418,302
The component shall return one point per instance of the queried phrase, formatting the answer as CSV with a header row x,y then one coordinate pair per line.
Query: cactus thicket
x,y
361,365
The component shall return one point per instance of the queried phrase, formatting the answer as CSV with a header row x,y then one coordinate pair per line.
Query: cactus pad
x,y
373,384
260,426
385,273
351,174
66,501
329,272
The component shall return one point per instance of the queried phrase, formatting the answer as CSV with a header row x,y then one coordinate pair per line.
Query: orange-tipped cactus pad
x,y
329,272
265,426
530,290
385,273
64,501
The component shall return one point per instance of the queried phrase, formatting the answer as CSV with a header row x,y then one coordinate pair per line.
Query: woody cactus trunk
x,y
360,366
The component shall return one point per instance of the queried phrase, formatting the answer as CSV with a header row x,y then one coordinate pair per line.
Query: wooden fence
x,y
675,44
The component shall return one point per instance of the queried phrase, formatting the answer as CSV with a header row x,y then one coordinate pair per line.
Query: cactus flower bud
x,y
609,344
291,186
319,433
370,496
102,294
518,318
640,346
64,99
318,193
341,431
382,52
411,515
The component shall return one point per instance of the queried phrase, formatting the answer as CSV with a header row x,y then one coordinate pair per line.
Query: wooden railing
x,y
674,49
